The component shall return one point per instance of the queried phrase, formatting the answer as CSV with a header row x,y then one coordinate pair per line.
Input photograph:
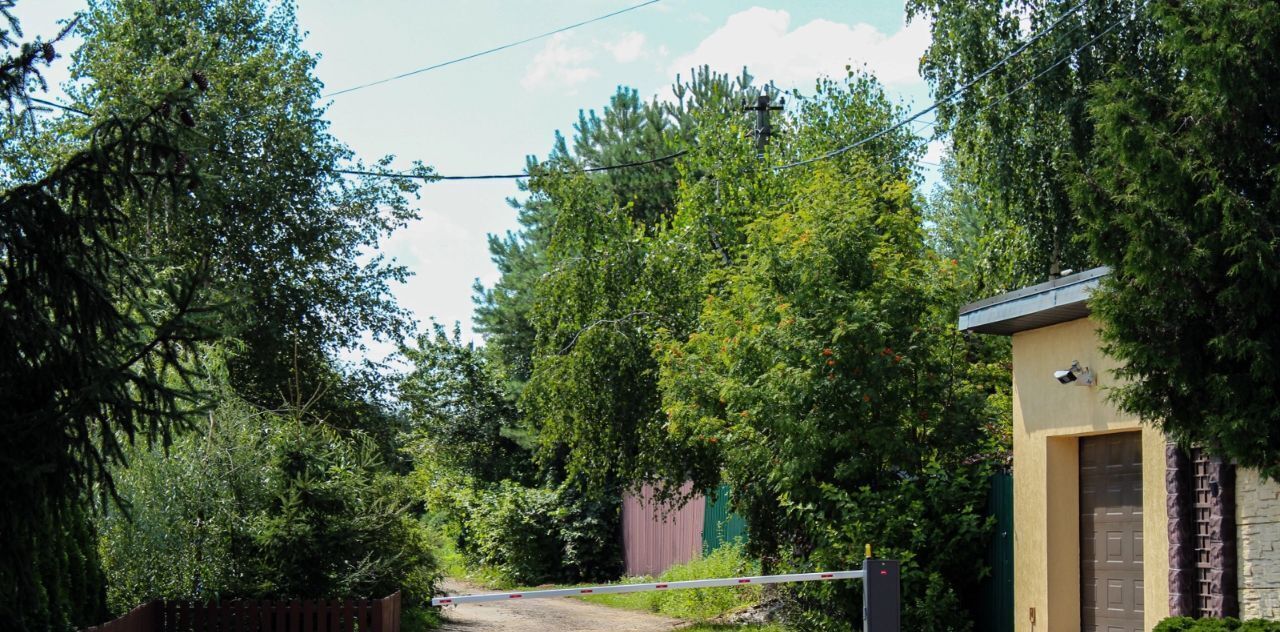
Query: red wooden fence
x,y
253,615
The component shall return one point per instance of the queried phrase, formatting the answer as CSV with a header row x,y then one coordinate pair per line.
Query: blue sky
x,y
487,114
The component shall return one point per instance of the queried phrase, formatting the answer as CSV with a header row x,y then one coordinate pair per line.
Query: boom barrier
x,y
880,594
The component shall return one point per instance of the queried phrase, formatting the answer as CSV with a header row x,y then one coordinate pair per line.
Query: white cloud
x,y
627,48
559,64
761,40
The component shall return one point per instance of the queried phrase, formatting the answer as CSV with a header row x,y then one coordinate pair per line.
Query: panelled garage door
x,y
1111,533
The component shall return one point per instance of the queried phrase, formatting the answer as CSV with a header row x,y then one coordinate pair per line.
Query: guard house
x,y
1114,527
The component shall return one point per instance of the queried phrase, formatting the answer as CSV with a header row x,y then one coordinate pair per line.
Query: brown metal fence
x,y
252,615
655,538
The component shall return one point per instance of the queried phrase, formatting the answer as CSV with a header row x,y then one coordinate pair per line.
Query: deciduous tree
x,y
285,235
1019,132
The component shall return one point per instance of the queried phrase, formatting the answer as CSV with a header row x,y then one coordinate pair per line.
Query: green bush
x,y
1229,624
53,580
529,535
729,560
699,604
590,535
511,530
263,505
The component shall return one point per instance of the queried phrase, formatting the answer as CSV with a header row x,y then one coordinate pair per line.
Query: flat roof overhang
x,y
1057,301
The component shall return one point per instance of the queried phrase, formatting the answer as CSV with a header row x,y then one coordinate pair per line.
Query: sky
x,y
486,114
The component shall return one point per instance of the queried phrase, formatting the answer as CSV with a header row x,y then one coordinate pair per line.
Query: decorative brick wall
x,y
1223,558
1203,548
1182,563
1258,530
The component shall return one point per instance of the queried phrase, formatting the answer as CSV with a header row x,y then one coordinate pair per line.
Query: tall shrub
x,y
825,376
263,504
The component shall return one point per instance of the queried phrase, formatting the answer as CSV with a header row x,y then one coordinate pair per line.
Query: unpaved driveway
x,y
556,614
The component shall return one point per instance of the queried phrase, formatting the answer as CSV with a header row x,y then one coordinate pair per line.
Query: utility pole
x,y
763,130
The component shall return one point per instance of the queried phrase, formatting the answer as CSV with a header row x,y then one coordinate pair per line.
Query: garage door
x,y
1111,533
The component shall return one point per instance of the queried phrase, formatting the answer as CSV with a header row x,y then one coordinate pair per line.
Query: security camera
x,y
1081,376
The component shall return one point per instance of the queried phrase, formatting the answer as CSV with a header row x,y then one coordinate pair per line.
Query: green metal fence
x,y
994,611
720,525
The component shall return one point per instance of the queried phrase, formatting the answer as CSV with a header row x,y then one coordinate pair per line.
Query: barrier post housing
x,y
881,596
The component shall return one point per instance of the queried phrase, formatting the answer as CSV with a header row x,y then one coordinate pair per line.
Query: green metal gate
x,y
720,525
994,611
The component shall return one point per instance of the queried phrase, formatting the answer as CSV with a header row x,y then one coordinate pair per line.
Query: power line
x,y
898,125
830,154
1036,77
511,176
1061,60
936,104
417,176
489,51
1024,84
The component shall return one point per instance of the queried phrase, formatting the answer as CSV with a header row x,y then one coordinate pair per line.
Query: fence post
x,y
881,596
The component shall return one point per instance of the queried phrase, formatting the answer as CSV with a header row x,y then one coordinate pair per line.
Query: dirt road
x,y
555,615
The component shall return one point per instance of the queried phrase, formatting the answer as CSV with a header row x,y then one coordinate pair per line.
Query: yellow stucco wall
x,y
1048,419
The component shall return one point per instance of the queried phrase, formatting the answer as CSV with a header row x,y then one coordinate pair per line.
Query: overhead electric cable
x,y
914,117
1024,84
489,51
513,176
1062,60
936,104
416,176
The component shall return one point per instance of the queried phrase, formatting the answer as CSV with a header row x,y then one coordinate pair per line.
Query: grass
x,y
453,564
697,604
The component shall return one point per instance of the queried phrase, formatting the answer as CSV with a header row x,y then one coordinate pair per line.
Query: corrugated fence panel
x,y
994,609
655,538
721,525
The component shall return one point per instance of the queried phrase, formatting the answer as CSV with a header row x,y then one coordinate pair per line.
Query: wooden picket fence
x,y
253,615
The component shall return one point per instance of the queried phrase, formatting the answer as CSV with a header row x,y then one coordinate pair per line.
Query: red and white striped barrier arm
x,y
613,589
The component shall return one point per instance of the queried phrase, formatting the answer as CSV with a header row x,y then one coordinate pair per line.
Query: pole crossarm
x,y
613,589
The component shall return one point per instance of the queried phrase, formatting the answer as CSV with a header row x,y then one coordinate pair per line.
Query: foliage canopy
x,y
1181,200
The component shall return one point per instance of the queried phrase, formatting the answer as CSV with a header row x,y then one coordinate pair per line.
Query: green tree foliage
x,y
118,230
522,535
502,312
989,247
92,338
59,584
457,407
593,388
263,503
566,318
628,130
747,336
1017,145
1179,196
825,377
283,233
830,377
592,395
